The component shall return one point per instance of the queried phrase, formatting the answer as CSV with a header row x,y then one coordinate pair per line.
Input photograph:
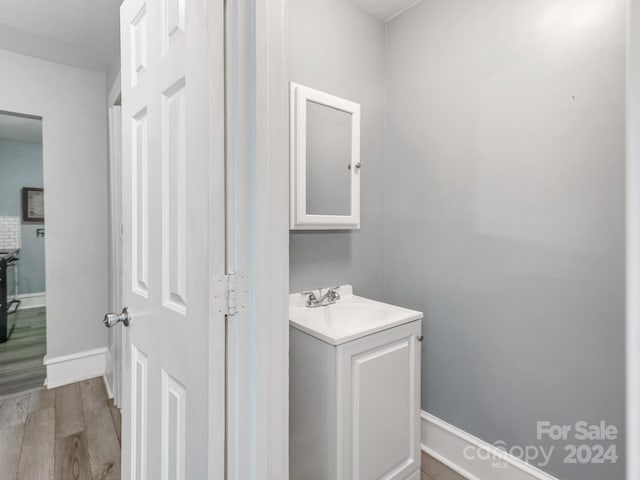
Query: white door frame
x,y
258,240
633,239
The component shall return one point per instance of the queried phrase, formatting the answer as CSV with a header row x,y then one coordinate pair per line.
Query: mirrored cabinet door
x,y
325,161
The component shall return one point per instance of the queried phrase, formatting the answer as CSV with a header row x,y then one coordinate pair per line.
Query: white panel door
x,y
379,377
173,243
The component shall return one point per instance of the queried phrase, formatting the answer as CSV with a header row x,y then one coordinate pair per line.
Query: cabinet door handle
x,y
420,338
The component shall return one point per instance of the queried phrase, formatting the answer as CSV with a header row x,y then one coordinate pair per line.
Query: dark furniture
x,y
7,308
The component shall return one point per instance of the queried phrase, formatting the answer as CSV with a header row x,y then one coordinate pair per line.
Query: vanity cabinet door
x,y
379,405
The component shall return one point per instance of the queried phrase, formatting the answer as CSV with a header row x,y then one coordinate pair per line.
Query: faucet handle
x,y
334,293
311,297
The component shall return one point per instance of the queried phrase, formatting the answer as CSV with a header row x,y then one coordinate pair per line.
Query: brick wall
x,y
10,233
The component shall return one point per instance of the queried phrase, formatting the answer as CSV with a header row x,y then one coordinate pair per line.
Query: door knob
x,y
112,319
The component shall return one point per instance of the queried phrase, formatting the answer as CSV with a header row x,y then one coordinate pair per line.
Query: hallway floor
x,y
21,357
68,433
432,469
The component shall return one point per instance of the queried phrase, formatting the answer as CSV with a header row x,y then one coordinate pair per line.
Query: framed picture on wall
x,y
32,205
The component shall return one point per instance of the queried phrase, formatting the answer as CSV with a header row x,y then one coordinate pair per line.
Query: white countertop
x,y
349,318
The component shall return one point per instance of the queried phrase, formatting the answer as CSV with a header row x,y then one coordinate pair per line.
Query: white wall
x,y
72,103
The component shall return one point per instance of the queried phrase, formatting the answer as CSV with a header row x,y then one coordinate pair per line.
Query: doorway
x,y
22,255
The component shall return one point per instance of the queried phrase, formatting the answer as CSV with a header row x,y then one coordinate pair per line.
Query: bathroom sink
x,y
349,318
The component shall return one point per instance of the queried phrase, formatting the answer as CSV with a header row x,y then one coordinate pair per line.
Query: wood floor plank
x,y
10,448
104,448
13,410
435,470
56,442
42,398
22,383
94,394
72,458
68,411
28,356
37,458
21,357
21,367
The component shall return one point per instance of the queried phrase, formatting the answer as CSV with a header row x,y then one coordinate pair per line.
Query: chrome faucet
x,y
329,298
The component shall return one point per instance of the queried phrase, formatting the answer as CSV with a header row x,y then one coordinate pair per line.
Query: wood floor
x,y
68,433
21,357
432,469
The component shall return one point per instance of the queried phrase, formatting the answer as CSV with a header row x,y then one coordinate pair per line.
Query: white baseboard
x,y
448,444
75,367
32,300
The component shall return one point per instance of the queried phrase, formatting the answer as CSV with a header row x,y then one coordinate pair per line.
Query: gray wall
x,y
71,102
505,211
337,47
21,166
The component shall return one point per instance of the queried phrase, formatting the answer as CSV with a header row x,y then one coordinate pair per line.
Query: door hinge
x,y
233,294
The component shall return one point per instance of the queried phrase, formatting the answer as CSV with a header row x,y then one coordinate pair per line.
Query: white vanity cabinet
x,y
355,406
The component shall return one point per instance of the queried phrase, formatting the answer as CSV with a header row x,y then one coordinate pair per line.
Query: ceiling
x,y
83,33
20,128
386,9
